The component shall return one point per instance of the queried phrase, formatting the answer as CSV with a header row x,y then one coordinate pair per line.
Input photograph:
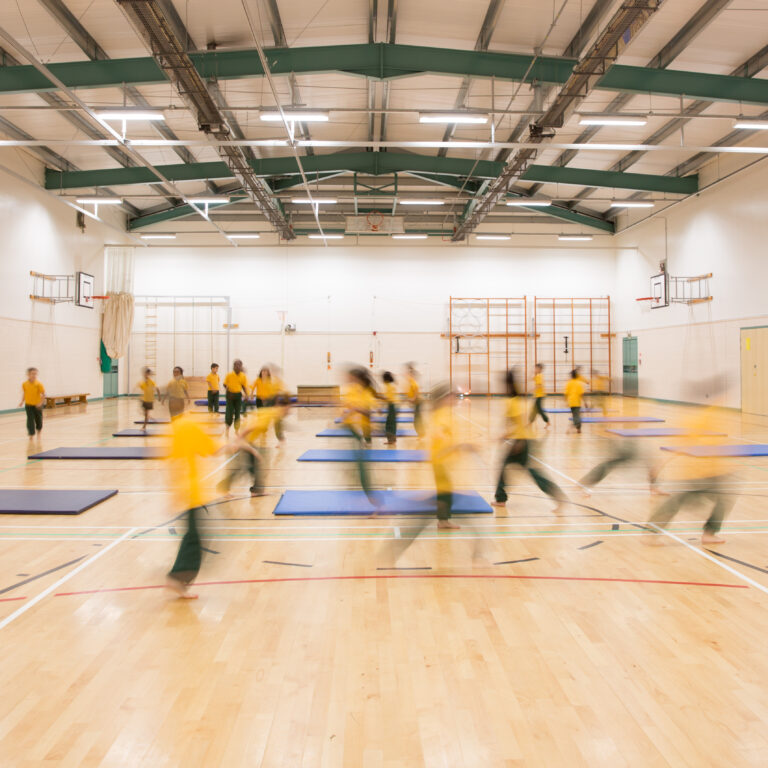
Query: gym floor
x,y
523,638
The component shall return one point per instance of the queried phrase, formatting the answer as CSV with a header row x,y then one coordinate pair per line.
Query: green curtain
x,y
106,360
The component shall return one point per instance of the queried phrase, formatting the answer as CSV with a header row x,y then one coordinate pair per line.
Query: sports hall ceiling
x,y
379,76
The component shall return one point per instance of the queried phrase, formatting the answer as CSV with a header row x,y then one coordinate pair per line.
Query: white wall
x,y
39,233
339,296
723,231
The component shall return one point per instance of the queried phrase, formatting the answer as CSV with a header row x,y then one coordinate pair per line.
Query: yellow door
x,y
754,370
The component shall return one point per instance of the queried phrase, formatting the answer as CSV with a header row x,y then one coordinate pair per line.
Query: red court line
x,y
10,599
414,576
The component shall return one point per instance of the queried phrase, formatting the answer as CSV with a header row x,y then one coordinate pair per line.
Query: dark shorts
x,y
147,406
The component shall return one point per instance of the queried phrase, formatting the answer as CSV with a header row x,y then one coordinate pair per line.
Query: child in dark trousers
x,y
212,379
33,400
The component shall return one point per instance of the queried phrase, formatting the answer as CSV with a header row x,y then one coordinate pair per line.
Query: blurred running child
x,y
148,395
177,392
33,400
600,395
189,445
390,398
214,385
266,389
517,441
574,397
413,395
251,457
235,389
538,396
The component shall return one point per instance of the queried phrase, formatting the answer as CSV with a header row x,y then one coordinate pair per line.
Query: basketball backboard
x,y
84,290
659,291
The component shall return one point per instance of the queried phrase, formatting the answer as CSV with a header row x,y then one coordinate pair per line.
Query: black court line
x,y
615,527
212,551
414,568
735,560
593,544
40,575
172,530
278,562
511,562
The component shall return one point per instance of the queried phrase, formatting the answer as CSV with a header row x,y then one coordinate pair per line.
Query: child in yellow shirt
x,y
413,395
235,390
148,393
266,389
574,397
539,394
390,398
212,379
33,400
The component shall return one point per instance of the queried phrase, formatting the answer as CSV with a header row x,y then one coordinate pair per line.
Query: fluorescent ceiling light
x,y
617,120
532,202
421,202
293,116
314,201
207,200
131,114
492,237
575,238
326,237
244,237
409,237
751,125
98,200
454,117
631,204
158,237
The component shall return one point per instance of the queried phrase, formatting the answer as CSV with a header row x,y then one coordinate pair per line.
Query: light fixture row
x,y
339,236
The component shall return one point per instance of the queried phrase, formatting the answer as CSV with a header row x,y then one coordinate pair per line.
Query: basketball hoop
x,y
375,220
642,298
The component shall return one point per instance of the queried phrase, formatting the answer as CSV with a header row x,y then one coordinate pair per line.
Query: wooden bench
x,y
51,401
317,393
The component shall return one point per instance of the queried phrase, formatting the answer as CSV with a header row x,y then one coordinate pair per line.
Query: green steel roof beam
x,y
387,60
179,212
686,185
561,212
373,163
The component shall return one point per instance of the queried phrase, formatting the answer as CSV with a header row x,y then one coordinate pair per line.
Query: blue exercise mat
x,y
382,419
616,419
154,421
343,433
369,454
568,410
140,433
703,451
655,432
392,503
100,452
48,502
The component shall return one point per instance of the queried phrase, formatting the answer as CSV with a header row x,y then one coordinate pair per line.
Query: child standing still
x,y
148,392
574,397
212,380
390,398
33,400
235,390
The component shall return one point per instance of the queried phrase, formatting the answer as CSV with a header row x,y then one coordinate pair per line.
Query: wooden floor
x,y
523,639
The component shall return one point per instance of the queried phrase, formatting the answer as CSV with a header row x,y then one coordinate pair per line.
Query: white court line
x,y
712,559
35,600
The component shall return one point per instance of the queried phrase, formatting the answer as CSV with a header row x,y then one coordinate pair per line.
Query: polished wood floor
x,y
522,639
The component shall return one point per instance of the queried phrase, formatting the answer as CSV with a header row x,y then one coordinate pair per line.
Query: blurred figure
x,y
235,389
574,397
189,445
705,477
538,396
177,392
413,395
600,391
517,440
358,400
212,379
250,446
266,388
148,394
444,449
390,398
33,400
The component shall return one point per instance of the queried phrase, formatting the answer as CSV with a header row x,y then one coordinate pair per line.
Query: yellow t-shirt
x,y
177,388
699,432
213,382
413,390
257,425
148,388
33,392
236,382
574,392
189,444
538,385
266,389
517,420
358,402
390,392
442,439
